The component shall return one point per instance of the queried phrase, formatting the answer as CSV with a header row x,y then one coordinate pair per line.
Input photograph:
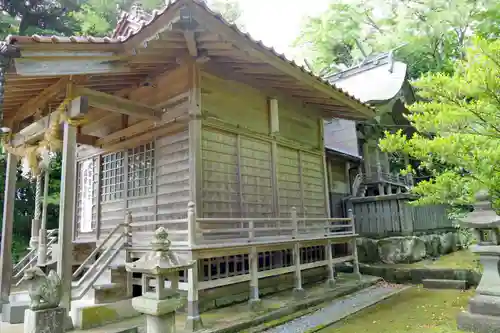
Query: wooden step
x,y
444,284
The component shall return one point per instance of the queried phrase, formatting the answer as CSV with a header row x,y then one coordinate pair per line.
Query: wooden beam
x,y
118,104
171,115
136,93
36,130
39,101
29,67
173,127
254,50
87,140
126,132
191,43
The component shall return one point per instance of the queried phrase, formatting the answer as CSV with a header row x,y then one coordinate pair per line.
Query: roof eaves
x,y
366,108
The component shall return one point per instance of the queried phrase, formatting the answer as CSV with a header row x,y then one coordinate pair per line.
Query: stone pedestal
x,y
299,293
13,312
160,314
41,321
483,314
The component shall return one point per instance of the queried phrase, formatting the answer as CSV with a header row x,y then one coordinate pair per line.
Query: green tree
x,y
458,124
435,32
230,10
40,15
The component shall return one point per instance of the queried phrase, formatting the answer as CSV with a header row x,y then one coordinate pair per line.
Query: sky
x,y
277,22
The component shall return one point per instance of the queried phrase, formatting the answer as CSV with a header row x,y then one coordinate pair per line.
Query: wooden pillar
x,y
35,222
348,177
193,319
7,227
274,128
366,159
254,300
127,231
325,169
355,261
192,232
77,108
297,291
195,133
331,269
42,238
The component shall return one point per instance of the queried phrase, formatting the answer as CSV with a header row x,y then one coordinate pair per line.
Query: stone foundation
x,y
406,249
239,292
414,275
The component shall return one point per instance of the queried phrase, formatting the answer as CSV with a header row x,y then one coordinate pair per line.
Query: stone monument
x,y
483,313
44,314
159,268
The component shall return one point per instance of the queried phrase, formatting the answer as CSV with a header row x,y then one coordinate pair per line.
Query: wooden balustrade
x,y
194,231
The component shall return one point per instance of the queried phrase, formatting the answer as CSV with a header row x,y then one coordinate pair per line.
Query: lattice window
x,y
312,254
112,176
223,267
275,259
140,173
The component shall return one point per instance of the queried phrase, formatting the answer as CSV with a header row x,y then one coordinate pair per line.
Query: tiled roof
x,y
153,17
62,39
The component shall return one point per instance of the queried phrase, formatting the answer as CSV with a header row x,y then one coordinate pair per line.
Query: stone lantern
x,y
161,266
483,314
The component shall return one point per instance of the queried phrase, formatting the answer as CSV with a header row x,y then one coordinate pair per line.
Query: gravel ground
x,y
338,309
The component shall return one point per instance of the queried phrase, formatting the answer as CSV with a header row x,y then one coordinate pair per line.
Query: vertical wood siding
x,y
313,182
172,176
220,174
394,215
256,177
289,181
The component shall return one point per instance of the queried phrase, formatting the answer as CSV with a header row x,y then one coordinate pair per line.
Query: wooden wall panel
x,y
313,185
256,177
112,213
337,176
297,125
289,181
220,195
172,176
235,103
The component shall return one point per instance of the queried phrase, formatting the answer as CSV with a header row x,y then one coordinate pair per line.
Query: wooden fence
x,y
394,215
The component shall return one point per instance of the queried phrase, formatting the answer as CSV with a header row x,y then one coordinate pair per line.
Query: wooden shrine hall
x,y
179,120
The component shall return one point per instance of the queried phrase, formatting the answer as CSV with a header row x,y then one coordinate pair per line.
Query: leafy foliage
x,y
458,126
434,31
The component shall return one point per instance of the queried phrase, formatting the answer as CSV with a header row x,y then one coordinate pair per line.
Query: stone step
x,y
444,284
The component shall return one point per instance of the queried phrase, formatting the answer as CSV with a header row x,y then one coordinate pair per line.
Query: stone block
x,y
231,299
444,284
472,322
13,313
40,321
395,250
448,242
485,305
109,293
432,244
367,250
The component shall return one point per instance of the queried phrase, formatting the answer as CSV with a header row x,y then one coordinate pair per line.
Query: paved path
x,y
339,309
